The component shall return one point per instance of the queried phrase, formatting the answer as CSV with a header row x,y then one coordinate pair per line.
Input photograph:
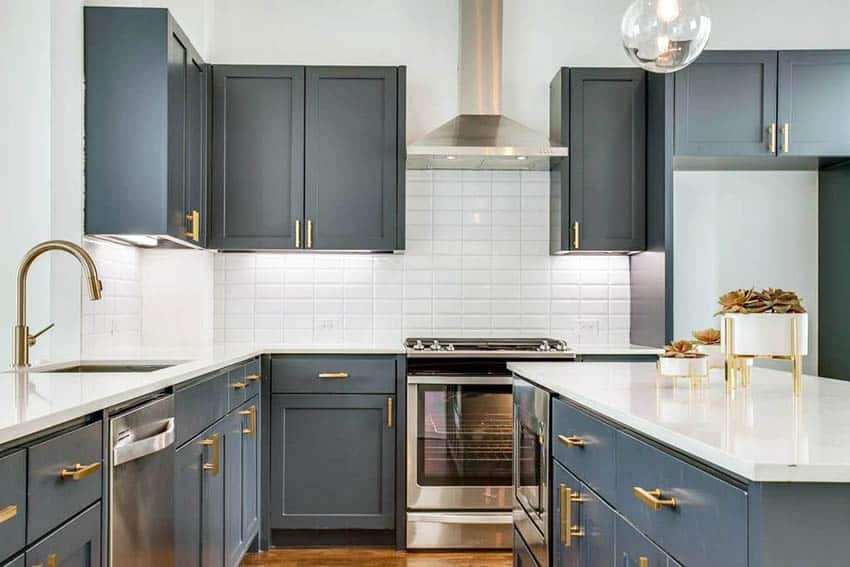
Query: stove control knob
x,y
450,347
418,345
435,345
544,347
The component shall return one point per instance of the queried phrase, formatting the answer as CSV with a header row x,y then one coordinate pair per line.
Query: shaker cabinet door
x,y
75,544
607,160
352,175
814,103
258,157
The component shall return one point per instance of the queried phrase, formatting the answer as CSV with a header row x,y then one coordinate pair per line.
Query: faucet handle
x,y
31,340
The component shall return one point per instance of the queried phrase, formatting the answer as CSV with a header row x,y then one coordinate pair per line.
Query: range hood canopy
x,y
481,137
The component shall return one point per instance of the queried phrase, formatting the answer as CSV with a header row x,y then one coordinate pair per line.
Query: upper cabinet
x,y
764,103
146,127
308,158
598,197
257,197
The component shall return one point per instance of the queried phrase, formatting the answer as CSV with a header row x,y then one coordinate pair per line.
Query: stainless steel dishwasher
x,y
141,485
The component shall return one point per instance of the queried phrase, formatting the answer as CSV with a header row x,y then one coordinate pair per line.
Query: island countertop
x,y
761,434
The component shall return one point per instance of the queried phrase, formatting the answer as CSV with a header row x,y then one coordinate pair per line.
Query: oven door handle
x,y
461,380
461,518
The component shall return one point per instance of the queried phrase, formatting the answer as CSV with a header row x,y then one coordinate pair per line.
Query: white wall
x,y
742,229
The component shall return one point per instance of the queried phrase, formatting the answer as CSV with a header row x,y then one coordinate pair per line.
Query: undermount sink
x,y
112,367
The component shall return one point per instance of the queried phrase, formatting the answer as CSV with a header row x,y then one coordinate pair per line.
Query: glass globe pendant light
x,y
664,36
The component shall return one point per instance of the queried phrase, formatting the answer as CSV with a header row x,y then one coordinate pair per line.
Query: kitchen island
x,y
666,473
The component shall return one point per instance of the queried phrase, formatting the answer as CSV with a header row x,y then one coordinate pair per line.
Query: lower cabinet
x,y
332,461
75,544
583,534
240,477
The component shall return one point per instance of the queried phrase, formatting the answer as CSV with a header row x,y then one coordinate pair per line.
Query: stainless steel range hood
x,y
481,137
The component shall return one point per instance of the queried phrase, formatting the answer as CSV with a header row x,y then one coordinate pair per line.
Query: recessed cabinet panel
x,y
814,103
76,544
258,156
352,158
726,104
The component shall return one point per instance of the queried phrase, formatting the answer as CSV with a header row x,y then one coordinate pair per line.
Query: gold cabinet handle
x,y
576,233
239,386
333,374
51,560
215,443
653,498
194,219
786,138
772,144
309,233
389,413
8,513
572,441
79,472
568,530
253,378
251,412
298,233
643,562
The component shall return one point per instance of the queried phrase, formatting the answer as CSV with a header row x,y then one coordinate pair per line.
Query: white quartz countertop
x,y
615,350
33,400
761,434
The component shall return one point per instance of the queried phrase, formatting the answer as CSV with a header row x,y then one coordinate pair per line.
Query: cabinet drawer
x,y
75,543
330,374
697,518
586,446
55,491
236,387
199,405
635,550
13,503
253,378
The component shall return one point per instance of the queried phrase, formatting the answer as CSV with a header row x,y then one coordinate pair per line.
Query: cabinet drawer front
x,y
236,388
199,405
253,378
75,543
633,547
586,446
333,374
697,518
52,498
13,503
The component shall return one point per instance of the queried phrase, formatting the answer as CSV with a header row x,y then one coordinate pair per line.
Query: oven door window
x,y
464,435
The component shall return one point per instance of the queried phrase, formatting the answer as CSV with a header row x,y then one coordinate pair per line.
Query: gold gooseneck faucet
x,y
23,339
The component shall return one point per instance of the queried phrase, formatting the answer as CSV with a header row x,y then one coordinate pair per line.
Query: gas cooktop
x,y
487,347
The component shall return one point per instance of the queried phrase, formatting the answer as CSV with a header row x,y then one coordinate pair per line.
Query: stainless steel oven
x,y
531,466
460,437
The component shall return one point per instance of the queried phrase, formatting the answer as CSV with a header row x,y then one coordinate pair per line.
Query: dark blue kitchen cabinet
x,y
635,550
240,477
814,103
598,195
257,196
332,461
354,163
145,127
583,535
75,544
725,105
250,509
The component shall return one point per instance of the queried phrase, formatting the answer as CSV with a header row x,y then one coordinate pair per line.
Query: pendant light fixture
x,y
664,36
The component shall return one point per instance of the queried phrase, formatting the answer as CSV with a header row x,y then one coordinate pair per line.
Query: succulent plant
x,y
768,300
682,349
707,336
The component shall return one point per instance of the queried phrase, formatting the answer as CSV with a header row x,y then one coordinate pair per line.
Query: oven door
x,y
530,450
459,443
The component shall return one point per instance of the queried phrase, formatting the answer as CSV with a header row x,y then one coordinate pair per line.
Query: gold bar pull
x,y
572,441
576,233
251,412
239,386
772,144
786,138
333,374
653,498
253,378
8,513
51,560
79,471
569,531
298,233
309,233
643,562
213,442
389,413
194,219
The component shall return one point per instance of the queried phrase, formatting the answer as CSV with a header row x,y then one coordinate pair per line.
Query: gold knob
x,y
572,441
79,472
8,513
653,498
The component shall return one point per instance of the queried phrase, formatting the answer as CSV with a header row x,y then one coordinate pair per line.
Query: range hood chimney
x,y
481,137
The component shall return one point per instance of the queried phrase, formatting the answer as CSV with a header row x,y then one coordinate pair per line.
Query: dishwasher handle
x,y
132,450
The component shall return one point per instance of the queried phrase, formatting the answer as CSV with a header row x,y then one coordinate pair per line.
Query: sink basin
x,y
110,367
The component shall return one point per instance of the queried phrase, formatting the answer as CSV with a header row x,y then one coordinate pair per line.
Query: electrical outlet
x,y
588,327
328,324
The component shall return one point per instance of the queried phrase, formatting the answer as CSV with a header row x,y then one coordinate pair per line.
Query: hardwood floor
x,y
343,557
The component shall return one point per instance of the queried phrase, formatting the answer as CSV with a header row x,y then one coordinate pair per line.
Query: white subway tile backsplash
x,y
477,263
